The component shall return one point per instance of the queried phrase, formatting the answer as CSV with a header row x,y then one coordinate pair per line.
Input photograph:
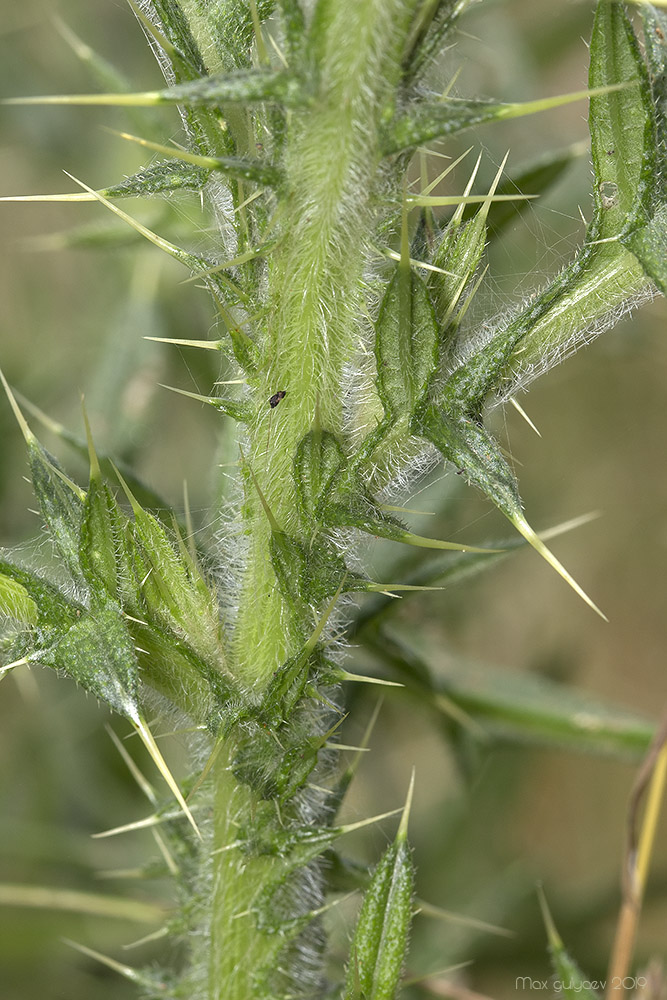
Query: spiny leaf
x,y
405,340
16,602
603,274
98,544
294,26
514,705
194,263
231,28
461,248
466,444
346,505
305,843
234,408
243,87
60,503
647,240
97,651
146,496
381,936
55,612
60,500
176,40
433,120
170,666
452,568
247,169
318,456
395,533
160,178
145,980
620,120
570,981
174,592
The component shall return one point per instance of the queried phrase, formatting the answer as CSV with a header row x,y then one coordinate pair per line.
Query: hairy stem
x,y
315,283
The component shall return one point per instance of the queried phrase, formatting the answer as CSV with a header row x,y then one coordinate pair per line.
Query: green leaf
x,y
430,120
570,981
60,502
601,276
16,602
405,343
620,120
99,546
472,450
234,408
515,706
144,494
458,253
99,542
162,178
243,87
381,936
98,653
431,25
169,666
648,239
294,26
309,574
604,274
655,45
178,43
174,593
54,610
318,457
59,498
649,246
242,168
230,26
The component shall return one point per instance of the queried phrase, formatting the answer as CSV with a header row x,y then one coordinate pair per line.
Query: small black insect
x,y
275,399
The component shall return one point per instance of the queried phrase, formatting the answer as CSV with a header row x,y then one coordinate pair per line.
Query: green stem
x,y
315,283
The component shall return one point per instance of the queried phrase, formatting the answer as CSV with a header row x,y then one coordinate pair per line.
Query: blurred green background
x,y
79,292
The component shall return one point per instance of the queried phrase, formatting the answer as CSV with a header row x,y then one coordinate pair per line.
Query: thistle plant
x,y
348,368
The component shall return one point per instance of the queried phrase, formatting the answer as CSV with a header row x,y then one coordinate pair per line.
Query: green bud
x,y
381,936
405,343
317,458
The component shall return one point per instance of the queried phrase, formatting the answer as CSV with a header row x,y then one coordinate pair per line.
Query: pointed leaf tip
x,y
552,934
534,539
381,936
262,499
148,740
95,472
126,971
20,419
403,828
345,675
